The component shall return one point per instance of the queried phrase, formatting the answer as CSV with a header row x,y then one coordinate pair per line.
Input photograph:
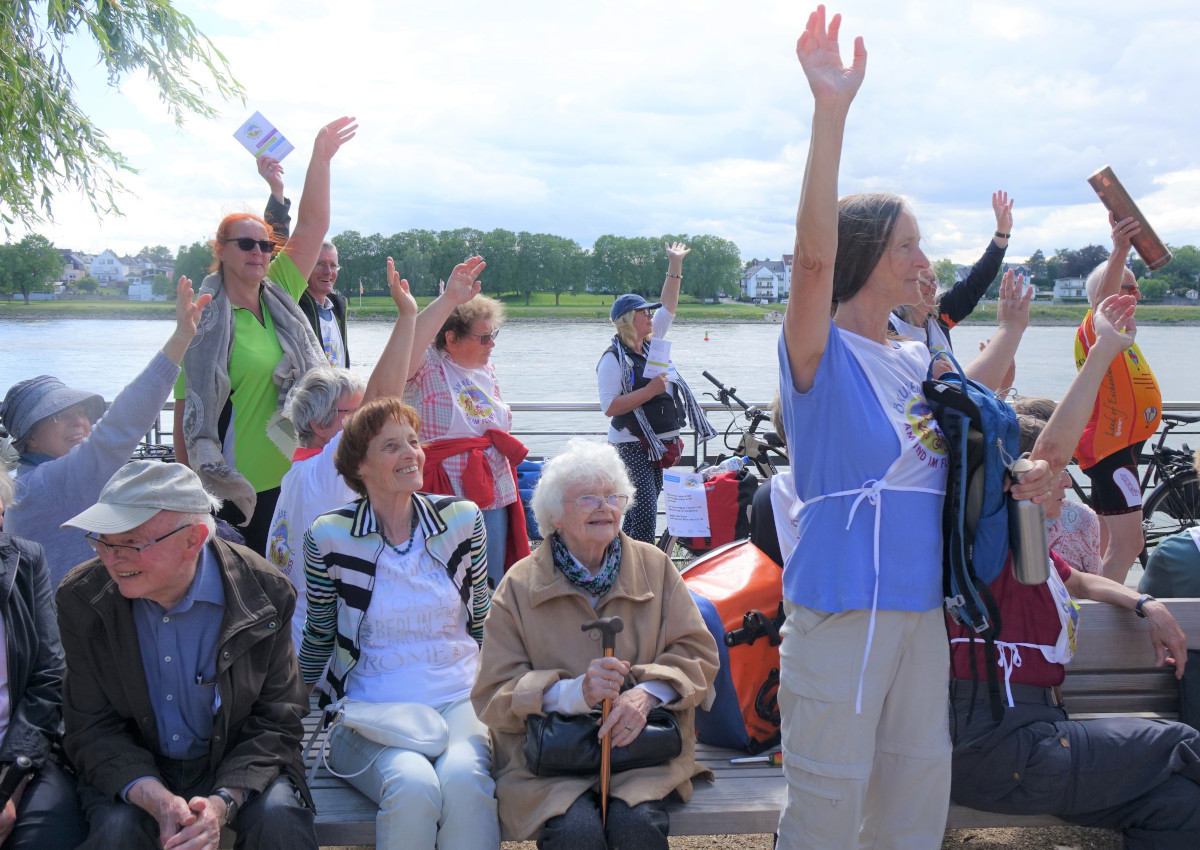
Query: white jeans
x,y
450,801
879,779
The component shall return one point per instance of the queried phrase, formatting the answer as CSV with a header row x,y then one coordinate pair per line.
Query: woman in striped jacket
x,y
397,594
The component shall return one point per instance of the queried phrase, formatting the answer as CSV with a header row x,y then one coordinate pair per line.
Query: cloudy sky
x,y
640,118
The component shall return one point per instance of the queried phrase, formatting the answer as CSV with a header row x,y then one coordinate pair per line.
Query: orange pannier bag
x,y
739,591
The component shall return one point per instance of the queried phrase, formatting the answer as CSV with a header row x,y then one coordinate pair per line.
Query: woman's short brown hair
x,y
360,428
464,315
865,225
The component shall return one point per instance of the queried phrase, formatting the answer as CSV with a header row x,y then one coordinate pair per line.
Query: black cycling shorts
x,y
1115,486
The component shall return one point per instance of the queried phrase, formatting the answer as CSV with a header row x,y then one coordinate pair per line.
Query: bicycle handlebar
x,y
731,392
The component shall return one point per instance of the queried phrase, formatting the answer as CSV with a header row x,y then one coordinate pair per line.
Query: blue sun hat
x,y
30,401
630,302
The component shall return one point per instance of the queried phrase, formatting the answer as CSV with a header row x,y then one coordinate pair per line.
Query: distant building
x,y
75,266
107,267
1067,288
768,280
142,289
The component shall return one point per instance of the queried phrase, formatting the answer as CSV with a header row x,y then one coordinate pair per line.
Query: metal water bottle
x,y
1027,533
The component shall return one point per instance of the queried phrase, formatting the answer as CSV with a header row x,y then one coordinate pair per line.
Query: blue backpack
x,y
984,440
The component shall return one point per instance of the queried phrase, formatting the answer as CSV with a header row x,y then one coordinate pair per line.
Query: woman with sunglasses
x,y
464,422
647,413
253,344
67,456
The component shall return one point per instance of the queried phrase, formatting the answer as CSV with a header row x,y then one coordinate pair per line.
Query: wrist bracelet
x,y
680,276
1146,597
1000,235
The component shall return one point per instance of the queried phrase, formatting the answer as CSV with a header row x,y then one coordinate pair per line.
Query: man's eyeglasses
x,y
484,339
70,414
131,551
332,267
594,503
1129,289
247,244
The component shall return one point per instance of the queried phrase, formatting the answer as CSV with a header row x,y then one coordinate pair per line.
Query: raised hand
x,y
405,303
1123,232
188,308
821,60
1002,207
332,136
1013,306
463,283
676,251
272,171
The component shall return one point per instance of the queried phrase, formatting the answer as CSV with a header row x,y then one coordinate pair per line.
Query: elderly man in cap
x,y
66,455
183,699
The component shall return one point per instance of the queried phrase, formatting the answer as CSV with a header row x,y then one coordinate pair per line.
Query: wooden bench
x,y
1113,673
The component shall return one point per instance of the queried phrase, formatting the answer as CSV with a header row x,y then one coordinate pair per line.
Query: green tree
x,y
161,285
1180,274
1080,262
1152,288
87,284
29,266
160,255
1037,269
714,266
193,261
947,273
47,142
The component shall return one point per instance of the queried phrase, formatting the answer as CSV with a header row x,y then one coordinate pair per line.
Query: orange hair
x,y
226,225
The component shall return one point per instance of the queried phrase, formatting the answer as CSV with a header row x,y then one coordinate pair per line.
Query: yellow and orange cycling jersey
x,y
1128,406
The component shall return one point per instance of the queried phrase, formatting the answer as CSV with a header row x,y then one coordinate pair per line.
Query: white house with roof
x,y
107,267
1070,287
768,280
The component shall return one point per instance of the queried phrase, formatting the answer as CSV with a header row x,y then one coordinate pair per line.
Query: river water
x,y
546,361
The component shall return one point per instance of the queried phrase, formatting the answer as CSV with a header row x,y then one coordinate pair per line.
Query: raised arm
x,y
806,322
1116,330
1012,314
390,373
671,283
277,213
462,285
1109,283
960,300
312,218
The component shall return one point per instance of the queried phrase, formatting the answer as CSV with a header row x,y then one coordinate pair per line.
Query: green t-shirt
x,y
254,396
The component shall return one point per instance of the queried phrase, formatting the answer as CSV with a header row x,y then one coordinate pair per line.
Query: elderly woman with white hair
x,y
323,398
535,659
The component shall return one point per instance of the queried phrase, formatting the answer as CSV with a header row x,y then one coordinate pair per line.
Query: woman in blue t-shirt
x,y
864,659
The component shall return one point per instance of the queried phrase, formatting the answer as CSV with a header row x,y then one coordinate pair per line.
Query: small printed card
x,y
687,504
261,138
658,358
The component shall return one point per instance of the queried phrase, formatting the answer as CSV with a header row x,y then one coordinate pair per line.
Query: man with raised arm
x,y
183,699
1126,413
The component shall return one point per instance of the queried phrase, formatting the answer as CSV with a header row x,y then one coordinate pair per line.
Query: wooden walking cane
x,y
608,626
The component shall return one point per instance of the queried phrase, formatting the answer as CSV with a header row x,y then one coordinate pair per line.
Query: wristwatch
x,y
1137,609
231,804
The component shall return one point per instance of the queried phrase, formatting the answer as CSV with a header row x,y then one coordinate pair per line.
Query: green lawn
x,y
541,306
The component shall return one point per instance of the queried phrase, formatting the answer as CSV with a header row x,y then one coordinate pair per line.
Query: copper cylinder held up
x,y
1113,195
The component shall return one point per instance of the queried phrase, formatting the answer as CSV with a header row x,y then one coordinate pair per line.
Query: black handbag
x,y
566,744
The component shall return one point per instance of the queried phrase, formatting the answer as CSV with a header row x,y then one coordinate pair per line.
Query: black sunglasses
x,y
247,244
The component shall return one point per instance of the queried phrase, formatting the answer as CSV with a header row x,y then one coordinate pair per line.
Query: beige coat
x,y
532,639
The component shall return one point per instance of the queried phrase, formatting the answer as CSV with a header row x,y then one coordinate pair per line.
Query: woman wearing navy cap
x,y
647,413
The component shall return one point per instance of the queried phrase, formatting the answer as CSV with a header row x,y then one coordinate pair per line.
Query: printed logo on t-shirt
x,y
474,403
920,427
277,550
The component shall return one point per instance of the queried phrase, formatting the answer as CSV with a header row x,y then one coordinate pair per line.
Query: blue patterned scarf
x,y
595,585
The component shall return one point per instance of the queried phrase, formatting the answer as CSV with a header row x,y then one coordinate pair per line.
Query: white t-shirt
x,y
608,377
310,488
413,640
331,335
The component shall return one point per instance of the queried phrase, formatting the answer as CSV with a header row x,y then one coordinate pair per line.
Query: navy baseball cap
x,y
630,302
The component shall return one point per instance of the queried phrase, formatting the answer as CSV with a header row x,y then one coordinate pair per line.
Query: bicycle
x,y
767,452
1173,502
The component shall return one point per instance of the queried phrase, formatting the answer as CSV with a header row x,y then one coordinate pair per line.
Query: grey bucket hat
x,y
30,401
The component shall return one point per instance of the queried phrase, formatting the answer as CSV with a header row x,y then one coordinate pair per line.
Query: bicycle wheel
x,y
1171,507
680,556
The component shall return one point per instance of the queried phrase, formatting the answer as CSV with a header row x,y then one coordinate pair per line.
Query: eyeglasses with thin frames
x,y
247,244
594,503
130,551
484,339
71,413
332,267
